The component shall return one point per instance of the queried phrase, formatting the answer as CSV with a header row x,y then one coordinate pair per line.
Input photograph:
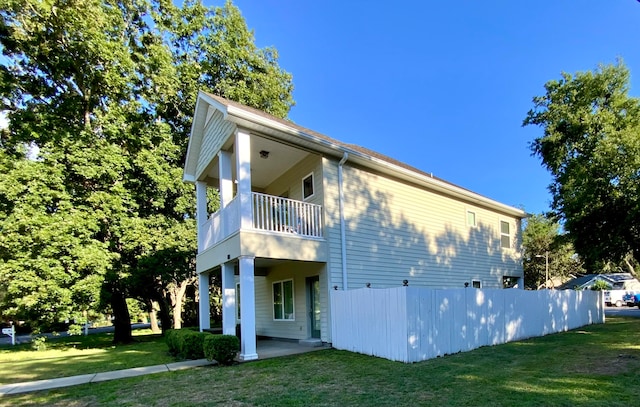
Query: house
x,y
302,214
617,281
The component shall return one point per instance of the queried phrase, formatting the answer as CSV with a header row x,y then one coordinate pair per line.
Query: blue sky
x,y
441,85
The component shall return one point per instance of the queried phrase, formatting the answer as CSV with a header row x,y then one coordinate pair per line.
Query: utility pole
x,y
546,267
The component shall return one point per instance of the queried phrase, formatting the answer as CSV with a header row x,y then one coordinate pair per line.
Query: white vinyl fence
x,y
411,324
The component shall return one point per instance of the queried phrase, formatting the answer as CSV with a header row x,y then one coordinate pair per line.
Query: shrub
x,y
192,344
39,343
185,343
171,338
600,285
221,348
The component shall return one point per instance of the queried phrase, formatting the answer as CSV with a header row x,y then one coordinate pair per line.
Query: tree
x,y
542,242
50,267
591,146
105,90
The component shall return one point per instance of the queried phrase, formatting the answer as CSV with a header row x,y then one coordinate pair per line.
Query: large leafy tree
x,y
104,91
591,146
542,242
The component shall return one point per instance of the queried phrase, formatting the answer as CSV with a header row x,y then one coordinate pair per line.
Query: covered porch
x,y
270,298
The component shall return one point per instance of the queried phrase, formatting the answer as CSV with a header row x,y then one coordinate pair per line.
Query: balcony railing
x,y
270,213
285,215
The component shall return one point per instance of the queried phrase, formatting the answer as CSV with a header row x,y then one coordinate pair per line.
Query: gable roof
x,y
255,119
589,279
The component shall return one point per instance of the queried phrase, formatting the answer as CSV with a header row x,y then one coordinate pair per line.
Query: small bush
x,y
39,343
171,338
221,348
600,285
185,343
192,344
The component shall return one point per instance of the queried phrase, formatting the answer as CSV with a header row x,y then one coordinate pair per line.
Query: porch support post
x,y
243,162
204,310
247,309
201,210
228,300
226,182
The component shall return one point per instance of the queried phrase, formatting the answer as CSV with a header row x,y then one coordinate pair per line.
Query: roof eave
x,y
203,102
244,117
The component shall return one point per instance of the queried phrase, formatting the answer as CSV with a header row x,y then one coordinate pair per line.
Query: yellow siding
x,y
298,328
396,231
215,133
290,183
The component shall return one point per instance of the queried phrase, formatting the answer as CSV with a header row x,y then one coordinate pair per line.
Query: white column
x,y
247,309
226,180
201,210
203,290
243,163
228,300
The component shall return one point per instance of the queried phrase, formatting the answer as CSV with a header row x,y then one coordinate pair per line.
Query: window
x,y
476,284
471,219
307,186
509,282
283,300
505,235
238,301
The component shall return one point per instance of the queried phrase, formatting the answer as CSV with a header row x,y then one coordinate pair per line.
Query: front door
x,y
313,305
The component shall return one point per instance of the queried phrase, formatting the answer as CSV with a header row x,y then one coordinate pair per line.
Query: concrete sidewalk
x,y
266,349
26,387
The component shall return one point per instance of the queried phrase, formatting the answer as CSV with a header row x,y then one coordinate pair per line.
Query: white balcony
x,y
270,213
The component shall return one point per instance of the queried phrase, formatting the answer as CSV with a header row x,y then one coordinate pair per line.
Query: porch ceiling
x,y
264,171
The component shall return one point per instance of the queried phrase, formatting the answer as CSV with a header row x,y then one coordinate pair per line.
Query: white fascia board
x,y
239,115
214,103
197,127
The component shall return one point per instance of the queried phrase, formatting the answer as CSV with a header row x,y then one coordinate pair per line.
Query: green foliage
x,y
541,238
221,348
39,343
99,95
75,329
192,344
591,146
186,343
171,338
600,285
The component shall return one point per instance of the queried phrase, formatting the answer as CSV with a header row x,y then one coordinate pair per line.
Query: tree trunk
x,y
177,312
630,268
165,317
176,293
153,317
122,320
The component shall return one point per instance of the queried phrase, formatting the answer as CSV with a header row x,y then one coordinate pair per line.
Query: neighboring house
x,y
617,281
302,214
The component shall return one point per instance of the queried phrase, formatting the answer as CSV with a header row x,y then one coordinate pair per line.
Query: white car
x,y
615,297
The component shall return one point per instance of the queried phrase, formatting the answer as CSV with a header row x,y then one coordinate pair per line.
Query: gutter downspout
x,y
343,239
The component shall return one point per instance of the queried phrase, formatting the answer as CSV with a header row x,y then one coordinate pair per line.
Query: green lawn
x,y
592,366
76,355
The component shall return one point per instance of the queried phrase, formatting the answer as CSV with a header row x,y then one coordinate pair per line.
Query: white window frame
x,y
475,218
509,235
293,300
473,283
313,186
